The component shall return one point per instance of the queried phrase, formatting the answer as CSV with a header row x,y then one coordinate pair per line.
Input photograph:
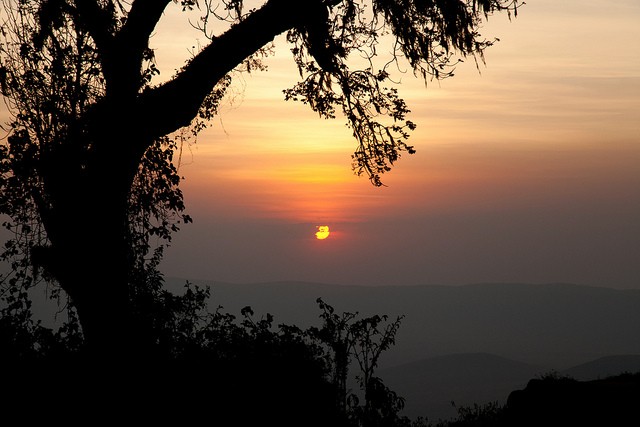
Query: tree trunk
x,y
94,271
88,231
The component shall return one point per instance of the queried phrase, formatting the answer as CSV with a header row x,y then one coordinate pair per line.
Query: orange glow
x,y
323,232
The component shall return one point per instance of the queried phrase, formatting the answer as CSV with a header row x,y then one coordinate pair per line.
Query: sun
x,y
323,232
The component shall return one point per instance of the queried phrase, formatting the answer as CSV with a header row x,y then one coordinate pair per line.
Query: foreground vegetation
x,y
246,371
210,360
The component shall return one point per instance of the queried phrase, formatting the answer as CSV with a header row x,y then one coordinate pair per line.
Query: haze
x,y
528,171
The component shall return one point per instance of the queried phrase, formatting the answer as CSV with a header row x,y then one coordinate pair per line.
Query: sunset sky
x,y
528,171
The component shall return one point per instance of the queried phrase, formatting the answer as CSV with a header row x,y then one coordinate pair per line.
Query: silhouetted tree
x,y
347,338
335,333
87,170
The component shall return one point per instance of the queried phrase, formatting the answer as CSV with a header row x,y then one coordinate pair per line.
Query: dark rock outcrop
x,y
563,401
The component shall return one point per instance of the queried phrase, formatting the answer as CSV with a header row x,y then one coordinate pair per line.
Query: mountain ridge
x,y
555,325
604,367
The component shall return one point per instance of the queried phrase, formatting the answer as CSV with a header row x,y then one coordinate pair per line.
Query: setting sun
x,y
323,232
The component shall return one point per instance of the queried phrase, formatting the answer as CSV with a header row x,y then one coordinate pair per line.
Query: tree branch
x,y
122,63
141,20
97,22
174,104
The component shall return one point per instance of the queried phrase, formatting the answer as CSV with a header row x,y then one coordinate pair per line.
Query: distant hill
x,y
604,367
552,325
430,385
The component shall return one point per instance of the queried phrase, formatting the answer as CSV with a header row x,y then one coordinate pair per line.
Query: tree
x,y
87,168
347,337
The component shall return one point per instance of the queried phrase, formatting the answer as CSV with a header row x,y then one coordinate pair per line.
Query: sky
x,y
527,170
